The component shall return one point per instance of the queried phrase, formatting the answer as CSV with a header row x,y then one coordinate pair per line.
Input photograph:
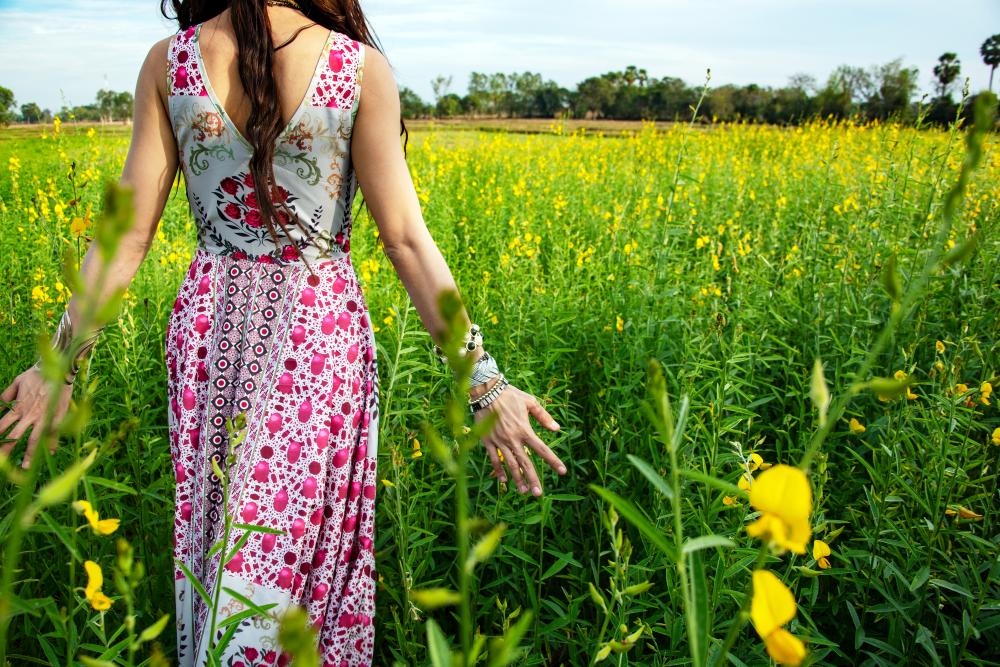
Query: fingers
x,y
8,419
513,465
10,393
541,414
530,475
36,435
546,453
495,461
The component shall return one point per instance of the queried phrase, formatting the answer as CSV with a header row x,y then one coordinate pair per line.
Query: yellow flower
x,y
820,552
784,497
856,426
986,389
939,366
910,395
78,226
746,482
899,375
939,346
757,461
728,501
785,648
95,579
996,436
416,449
772,606
388,484
619,323
102,526
963,512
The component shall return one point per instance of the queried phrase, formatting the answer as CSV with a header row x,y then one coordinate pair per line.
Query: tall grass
x,y
735,264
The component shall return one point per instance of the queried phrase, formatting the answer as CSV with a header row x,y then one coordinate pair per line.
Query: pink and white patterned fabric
x,y
257,331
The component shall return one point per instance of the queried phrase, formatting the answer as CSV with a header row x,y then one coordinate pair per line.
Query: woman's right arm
x,y
149,172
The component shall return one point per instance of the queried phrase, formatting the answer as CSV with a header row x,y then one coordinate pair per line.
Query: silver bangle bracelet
x,y
490,396
484,370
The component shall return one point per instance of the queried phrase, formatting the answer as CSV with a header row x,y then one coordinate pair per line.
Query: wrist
x,y
480,390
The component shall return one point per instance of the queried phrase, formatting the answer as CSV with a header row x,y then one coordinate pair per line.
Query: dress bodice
x,y
313,172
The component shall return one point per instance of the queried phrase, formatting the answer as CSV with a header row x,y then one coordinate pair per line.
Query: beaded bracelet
x,y
490,396
471,339
62,341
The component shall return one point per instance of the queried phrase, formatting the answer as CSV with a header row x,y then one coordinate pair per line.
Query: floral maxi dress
x,y
283,336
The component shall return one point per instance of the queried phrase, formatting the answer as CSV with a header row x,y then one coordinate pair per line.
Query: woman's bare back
x,y
294,64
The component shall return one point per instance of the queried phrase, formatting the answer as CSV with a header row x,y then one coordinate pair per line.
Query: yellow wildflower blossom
x,y
95,579
821,550
856,426
101,526
772,606
784,497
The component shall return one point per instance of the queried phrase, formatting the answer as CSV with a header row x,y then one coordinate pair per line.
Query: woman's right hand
x,y
30,395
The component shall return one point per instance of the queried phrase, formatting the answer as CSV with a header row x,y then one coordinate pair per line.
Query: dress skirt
x,y
292,348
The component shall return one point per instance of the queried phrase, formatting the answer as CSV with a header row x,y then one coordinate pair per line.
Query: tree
x,y
449,105
411,106
31,113
990,50
441,87
123,105
946,71
7,105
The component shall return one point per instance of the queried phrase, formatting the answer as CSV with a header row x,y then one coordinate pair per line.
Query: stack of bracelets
x,y
484,370
62,342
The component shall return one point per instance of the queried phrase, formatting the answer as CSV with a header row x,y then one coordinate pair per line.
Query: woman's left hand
x,y
512,435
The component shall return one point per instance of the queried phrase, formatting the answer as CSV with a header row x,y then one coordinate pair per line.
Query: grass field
x,y
736,257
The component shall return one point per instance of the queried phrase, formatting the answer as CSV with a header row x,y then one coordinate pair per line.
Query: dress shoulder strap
x,y
184,71
340,67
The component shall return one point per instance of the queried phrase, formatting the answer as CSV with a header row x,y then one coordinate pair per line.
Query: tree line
x,y
875,93
109,106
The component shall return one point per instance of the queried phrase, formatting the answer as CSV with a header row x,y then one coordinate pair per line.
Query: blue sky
x,y
52,45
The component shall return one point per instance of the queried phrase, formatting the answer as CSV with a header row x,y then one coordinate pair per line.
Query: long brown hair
x,y
252,26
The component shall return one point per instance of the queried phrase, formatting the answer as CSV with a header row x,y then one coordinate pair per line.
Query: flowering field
x,y
776,275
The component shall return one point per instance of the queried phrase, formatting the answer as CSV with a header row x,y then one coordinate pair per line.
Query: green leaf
x,y
654,477
437,646
485,547
111,484
707,542
236,547
195,583
555,568
63,536
59,489
432,598
920,578
941,583
635,517
564,496
890,279
506,650
961,252
708,480
697,616
250,604
153,631
258,529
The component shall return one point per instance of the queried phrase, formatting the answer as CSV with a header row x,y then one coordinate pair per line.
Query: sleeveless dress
x,y
256,330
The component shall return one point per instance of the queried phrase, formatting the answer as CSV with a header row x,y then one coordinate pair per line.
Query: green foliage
x,y
597,261
7,106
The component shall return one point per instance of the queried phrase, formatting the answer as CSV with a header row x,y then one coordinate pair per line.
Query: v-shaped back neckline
x,y
292,122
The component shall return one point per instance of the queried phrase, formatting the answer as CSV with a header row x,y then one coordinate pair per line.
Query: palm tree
x,y
990,51
947,71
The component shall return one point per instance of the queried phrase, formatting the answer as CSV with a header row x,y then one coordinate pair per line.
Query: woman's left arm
x,y
389,193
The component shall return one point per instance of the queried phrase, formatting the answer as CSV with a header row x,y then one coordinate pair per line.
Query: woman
x,y
263,107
